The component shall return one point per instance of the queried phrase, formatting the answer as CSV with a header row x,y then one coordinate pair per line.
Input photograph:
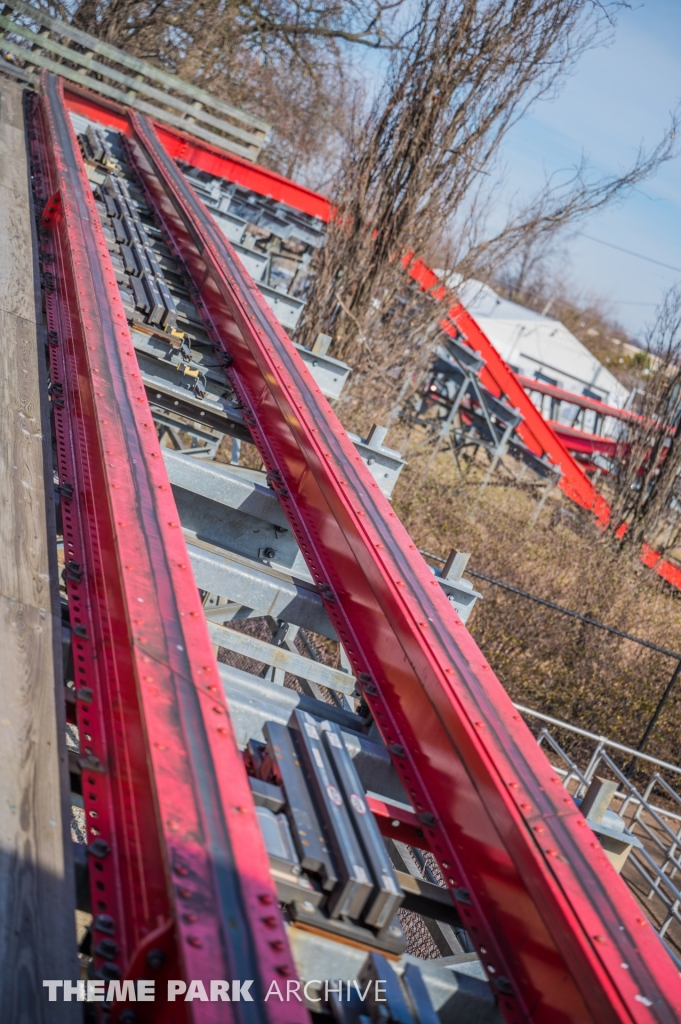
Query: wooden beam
x,y
132,86
37,892
121,97
200,105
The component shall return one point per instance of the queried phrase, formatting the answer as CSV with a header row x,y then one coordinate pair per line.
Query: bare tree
x,y
262,24
532,230
528,277
462,76
648,492
286,60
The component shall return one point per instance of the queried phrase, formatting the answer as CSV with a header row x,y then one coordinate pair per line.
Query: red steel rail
x,y
580,442
575,439
180,877
559,932
204,156
534,430
500,379
583,401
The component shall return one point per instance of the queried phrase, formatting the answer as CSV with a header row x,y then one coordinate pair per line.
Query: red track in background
x,y
575,439
204,156
583,401
535,431
500,379
580,442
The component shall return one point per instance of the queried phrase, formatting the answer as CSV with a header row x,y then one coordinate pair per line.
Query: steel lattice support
x,y
536,432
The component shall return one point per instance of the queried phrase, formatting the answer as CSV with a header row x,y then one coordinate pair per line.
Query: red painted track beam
x,y
502,381
396,823
187,870
583,401
581,441
535,431
552,920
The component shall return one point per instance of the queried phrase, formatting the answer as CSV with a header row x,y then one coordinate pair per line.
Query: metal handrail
x,y
654,832
599,739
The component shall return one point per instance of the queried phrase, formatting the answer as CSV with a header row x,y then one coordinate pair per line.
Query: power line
x,y
560,608
599,625
630,252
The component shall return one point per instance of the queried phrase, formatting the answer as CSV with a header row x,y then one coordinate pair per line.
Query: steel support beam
x,y
280,658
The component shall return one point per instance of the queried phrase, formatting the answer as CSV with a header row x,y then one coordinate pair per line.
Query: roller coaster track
x,y
179,874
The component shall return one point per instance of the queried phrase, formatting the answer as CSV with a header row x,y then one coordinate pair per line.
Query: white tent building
x,y
538,347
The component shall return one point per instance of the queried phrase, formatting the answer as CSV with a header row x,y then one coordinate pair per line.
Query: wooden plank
x,y
166,79
20,74
122,97
138,85
37,897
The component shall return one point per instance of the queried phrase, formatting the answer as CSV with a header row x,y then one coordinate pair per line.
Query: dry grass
x,y
545,660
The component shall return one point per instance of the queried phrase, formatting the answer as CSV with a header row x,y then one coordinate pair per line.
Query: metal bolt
x,y
107,949
156,959
99,848
109,971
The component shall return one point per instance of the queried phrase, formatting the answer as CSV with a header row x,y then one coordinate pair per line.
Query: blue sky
x,y
618,97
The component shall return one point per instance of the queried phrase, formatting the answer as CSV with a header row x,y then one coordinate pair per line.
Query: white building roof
x,y
538,346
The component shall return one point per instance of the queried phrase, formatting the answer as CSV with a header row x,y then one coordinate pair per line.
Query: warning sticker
x,y
334,796
358,803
